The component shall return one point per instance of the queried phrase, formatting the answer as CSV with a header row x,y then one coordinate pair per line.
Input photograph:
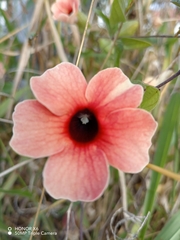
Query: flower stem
x,y
163,171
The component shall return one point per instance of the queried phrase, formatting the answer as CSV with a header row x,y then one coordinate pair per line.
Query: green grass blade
x,y
171,231
8,183
16,192
160,157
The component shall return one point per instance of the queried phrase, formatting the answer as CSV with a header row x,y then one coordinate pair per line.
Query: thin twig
x,y
156,36
169,79
85,31
37,213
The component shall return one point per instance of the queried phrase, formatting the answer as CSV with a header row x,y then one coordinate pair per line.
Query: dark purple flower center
x,y
83,126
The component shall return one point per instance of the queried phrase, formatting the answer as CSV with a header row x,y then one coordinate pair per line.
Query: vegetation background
x,y
141,37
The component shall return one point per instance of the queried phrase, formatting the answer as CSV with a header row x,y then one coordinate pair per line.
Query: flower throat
x,y
83,126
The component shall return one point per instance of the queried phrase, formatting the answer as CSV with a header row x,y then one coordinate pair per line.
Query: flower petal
x,y
66,18
77,174
111,88
37,132
127,139
61,89
65,10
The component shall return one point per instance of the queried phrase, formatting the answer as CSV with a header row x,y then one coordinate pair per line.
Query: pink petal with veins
x,y
127,139
60,89
77,174
37,132
110,90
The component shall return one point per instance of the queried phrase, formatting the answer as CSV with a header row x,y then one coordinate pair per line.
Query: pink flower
x,y
83,128
65,10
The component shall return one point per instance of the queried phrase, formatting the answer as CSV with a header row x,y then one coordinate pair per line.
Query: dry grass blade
x,y
9,35
6,120
37,213
112,46
59,46
9,170
68,219
165,172
85,31
24,57
53,205
25,54
123,187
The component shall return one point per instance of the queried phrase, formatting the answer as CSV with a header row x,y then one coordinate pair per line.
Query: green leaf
x,y
117,13
150,98
176,2
104,18
169,123
131,43
171,231
129,28
105,44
